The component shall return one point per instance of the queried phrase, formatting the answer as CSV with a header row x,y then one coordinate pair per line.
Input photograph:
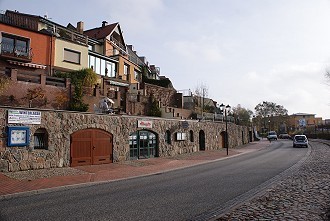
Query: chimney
x,y
80,27
104,23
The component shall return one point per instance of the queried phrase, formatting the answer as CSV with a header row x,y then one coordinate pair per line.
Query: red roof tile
x,y
101,32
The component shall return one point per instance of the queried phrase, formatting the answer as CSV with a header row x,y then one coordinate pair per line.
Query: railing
x,y
8,50
54,81
66,34
29,77
118,44
58,31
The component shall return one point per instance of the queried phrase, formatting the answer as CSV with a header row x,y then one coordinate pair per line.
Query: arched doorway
x,y
201,140
91,146
143,144
223,139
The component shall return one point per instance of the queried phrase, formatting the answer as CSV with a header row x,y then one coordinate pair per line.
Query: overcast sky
x,y
243,51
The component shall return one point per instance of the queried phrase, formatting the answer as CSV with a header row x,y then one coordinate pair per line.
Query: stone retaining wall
x,y
61,124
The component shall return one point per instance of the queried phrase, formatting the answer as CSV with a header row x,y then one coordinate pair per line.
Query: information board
x,y
24,117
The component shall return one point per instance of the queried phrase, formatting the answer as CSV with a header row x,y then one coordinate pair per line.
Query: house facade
x,y
120,73
26,57
303,121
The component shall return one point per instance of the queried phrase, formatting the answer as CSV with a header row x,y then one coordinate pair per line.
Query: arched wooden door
x,y
223,139
91,146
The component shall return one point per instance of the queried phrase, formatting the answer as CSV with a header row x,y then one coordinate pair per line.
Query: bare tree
x,y
201,92
327,77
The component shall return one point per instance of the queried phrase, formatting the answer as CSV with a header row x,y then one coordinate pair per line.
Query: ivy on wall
x,y
79,79
154,109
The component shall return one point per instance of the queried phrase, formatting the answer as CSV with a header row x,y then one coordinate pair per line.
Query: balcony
x,y
115,42
9,52
66,34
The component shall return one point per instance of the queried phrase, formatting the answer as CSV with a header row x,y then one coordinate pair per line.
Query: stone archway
x,y
143,144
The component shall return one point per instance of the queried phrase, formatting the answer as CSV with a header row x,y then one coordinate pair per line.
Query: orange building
x,y
303,121
25,49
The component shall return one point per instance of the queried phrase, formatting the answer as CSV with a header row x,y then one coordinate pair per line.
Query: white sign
x,y
24,117
302,122
144,124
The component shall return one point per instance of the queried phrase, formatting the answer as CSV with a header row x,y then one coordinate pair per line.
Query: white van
x,y
272,135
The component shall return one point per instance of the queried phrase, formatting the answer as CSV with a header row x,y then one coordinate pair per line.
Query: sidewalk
x,y
30,182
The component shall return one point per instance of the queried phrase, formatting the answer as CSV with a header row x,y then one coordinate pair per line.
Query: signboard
x,y
18,136
24,117
185,124
302,122
144,124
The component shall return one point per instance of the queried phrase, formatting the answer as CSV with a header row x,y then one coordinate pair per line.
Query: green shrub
x,y
82,78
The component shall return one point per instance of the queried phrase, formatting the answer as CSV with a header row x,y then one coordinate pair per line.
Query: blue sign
x,y
18,136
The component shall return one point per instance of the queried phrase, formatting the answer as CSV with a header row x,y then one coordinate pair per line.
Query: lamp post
x,y
226,109
252,129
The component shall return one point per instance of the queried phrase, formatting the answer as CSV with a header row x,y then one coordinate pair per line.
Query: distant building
x,y
302,121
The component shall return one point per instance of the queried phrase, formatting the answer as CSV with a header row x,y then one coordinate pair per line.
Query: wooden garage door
x,y
91,146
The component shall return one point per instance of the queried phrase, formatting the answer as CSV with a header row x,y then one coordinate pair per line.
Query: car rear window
x,y
300,138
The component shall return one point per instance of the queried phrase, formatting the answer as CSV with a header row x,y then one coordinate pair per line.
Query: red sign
x,y
144,124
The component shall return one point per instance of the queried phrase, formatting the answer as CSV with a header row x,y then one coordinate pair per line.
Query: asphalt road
x,y
186,194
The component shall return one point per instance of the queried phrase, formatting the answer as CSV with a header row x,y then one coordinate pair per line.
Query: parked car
x,y
284,136
272,135
300,141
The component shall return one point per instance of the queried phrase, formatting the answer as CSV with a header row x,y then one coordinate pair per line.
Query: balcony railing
x,y
58,31
118,44
8,51
66,34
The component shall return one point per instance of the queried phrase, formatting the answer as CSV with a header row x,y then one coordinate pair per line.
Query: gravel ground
x,y
43,173
302,194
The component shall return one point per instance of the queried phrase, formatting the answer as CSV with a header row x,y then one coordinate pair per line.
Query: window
x,y
191,133
168,137
126,69
103,70
181,136
136,75
102,66
111,69
15,44
71,56
40,138
98,65
92,62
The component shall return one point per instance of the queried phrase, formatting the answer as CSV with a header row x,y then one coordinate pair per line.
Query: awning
x,y
30,65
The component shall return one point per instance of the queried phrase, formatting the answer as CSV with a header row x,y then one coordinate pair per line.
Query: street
x,y
178,195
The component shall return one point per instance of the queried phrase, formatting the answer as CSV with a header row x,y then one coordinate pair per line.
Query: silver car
x,y
300,141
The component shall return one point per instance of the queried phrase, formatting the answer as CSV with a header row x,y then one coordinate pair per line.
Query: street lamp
x,y
226,109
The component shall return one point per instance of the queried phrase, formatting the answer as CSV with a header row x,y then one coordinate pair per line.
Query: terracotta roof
x,y
101,32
